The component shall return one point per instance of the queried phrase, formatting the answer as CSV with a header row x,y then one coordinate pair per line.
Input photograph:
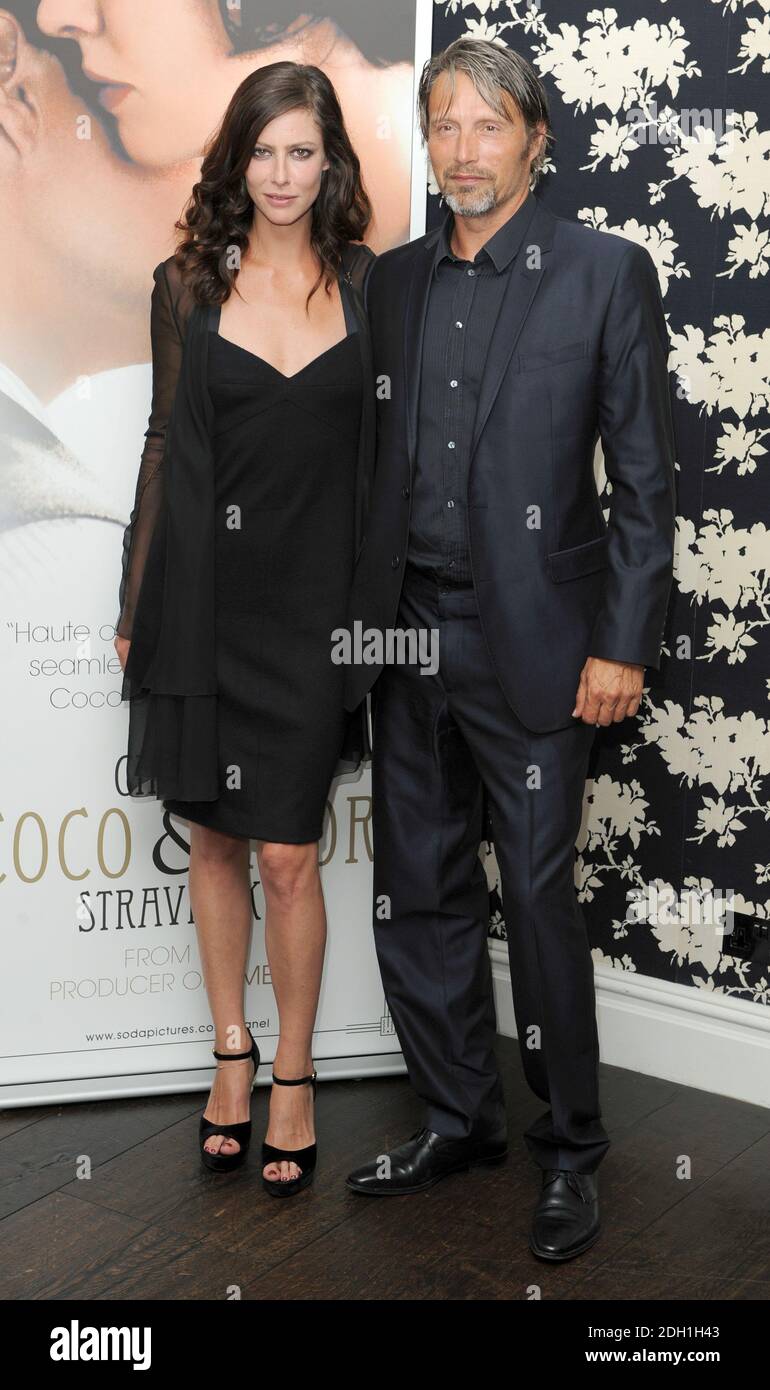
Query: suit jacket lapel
x,y
523,284
414,332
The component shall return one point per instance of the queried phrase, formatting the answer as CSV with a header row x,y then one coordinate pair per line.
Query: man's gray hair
x,y
495,72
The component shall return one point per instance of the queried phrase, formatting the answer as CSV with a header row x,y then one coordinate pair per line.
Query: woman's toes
x,y
282,1171
217,1143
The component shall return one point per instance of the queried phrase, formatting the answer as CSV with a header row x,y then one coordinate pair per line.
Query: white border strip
x,y
174,1083
423,47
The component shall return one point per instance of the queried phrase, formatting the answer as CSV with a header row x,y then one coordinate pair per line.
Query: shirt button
x,y
451,444
458,323
450,503
471,271
453,383
394,562
405,492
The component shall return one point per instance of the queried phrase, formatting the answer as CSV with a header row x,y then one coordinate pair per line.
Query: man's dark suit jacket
x,y
579,351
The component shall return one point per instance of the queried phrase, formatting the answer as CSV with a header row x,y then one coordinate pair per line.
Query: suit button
x,y
405,492
394,561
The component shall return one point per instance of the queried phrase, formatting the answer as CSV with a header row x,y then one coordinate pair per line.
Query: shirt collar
x,y
500,249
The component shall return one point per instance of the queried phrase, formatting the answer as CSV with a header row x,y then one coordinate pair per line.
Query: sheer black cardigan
x,y
166,592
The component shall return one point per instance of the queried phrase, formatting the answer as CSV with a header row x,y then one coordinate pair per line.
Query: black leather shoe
x,y
566,1219
424,1159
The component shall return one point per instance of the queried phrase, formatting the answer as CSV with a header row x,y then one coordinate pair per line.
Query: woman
x,y
238,560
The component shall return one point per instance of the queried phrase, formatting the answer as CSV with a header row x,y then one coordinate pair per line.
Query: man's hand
x,y
122,645
608,691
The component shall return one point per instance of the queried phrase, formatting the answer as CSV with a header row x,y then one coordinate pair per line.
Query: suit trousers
x,y
439,741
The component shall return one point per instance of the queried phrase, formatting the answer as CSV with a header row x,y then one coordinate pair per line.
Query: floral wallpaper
x,y
660,112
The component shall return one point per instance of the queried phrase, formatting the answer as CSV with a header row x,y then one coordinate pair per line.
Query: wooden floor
x,y
151,1223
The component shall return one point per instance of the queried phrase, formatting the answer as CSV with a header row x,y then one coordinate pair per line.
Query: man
x,y
504,345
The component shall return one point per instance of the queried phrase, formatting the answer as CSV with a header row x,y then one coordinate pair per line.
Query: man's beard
x,y
471,205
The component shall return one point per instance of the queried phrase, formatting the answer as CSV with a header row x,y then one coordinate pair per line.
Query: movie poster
x,y
105,107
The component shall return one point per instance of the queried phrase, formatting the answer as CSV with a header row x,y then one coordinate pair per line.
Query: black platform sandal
x,y
240,1132
305,1159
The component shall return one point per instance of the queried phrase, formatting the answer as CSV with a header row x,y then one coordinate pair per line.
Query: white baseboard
x,y
713,1042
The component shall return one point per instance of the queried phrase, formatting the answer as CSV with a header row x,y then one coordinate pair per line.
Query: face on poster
x,y
105,109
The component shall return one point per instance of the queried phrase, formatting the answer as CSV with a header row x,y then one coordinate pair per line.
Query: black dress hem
x,y
227,824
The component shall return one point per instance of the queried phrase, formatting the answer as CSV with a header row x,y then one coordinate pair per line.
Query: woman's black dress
x,y
285,451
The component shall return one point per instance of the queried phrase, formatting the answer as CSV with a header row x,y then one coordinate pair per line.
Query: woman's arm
x,y
166,359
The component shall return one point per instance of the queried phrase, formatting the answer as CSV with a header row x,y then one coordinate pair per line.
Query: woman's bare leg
x,y
295,940
220,893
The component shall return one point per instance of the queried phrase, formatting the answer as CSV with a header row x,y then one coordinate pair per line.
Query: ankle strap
x,y
235,1056
295,1081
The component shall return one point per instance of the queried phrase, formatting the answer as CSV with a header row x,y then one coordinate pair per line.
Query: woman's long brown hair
x,y
219,214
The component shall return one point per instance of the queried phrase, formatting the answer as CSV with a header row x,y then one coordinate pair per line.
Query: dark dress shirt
x,y
463,303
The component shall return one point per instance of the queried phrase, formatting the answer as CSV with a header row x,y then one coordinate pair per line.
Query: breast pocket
x,y
552,357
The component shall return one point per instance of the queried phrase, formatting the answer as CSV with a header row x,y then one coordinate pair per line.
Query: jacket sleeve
x,y
367,277
166,359
360,262
637,434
